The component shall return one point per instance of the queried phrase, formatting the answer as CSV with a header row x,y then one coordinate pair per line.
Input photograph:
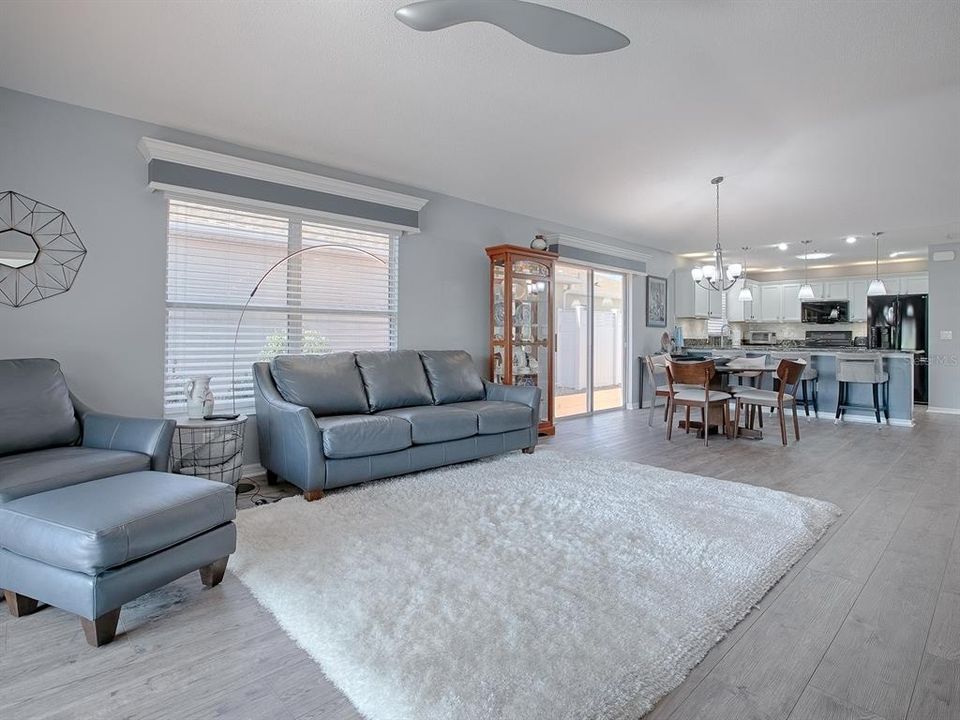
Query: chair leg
x,y
272,478
687,420
102,630
840,389
726,420
796,422
886,400
783,427
670,409
736,420
816,396
760,415
666,407
653,407
876,402
704,415
806,402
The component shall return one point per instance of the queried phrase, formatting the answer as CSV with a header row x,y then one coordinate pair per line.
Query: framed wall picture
x,y
656,301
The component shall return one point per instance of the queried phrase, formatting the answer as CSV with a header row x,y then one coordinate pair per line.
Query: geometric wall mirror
x,y
40,252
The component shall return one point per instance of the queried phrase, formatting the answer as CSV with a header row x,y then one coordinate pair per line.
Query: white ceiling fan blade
x,y
544,27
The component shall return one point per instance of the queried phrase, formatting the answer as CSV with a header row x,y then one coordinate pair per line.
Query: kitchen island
x,y
898,365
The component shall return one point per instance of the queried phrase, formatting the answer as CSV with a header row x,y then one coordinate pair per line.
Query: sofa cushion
x,y
437,423
327,384
109,522
394,379
452,376
42,470
497,416
348,436
35,407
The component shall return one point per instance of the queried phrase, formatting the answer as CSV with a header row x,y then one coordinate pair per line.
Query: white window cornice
x,y
153,149
597,247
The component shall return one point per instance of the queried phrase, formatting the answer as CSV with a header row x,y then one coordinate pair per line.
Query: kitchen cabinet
x,y
914,285
858,300
738,311
693,301
770,302
836,290
789,302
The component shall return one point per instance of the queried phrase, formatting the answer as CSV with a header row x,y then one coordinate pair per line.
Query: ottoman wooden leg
x,y
20,605
212,574
529,450
102,630
311,495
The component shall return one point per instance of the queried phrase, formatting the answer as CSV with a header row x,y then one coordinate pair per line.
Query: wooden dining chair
x,y
697,376
789,373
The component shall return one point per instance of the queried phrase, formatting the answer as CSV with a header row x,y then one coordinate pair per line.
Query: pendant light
x,y
806,291
745,295
715,276
876,285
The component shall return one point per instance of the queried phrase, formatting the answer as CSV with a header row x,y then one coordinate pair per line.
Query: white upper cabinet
x,y
770,303
858,300
739,311
701,301
682,294
789,302
914,285
836,290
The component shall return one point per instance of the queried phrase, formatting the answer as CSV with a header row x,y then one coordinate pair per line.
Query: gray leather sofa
x,y
49,439
325,421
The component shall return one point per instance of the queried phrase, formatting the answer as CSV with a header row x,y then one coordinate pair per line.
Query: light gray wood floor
x,y
867,625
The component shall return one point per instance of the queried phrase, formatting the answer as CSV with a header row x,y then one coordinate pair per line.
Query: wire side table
x,y
211,449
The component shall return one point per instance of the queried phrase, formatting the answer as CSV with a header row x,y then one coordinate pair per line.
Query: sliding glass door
x,y
590,333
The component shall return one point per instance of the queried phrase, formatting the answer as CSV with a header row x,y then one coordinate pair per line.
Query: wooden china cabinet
x,y
521,322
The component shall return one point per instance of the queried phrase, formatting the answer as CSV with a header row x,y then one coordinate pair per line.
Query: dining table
x,y
726,368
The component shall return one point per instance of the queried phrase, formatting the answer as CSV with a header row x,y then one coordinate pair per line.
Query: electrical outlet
x,y
946,334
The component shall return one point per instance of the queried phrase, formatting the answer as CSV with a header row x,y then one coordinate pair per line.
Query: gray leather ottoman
x,y
91,547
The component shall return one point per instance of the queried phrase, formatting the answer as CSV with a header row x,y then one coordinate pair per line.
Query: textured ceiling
x,y
827,118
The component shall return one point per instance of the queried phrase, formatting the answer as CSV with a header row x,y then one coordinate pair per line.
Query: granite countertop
x,y
822,351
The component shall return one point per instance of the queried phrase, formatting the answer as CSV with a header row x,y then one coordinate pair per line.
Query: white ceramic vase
x,y
199,397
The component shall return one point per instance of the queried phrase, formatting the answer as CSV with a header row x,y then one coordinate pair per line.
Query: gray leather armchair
x,y
49,439
325,421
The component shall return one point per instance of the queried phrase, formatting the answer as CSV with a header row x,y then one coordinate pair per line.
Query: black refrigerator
x,y
899,322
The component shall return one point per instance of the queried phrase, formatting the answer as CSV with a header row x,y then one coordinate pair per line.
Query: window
x,y
331,298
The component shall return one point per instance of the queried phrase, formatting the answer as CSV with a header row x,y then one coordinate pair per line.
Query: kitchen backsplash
x,y
695,328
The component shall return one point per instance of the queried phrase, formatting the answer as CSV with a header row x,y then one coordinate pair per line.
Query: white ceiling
x,y
827,118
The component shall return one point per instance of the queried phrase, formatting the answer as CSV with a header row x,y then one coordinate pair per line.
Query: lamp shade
x,y
735,270
697,274
709,272
876,288
806,292
745,295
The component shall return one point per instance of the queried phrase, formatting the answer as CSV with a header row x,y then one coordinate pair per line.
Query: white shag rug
x,y
522,587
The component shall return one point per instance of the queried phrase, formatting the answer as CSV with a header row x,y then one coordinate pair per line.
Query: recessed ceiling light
x,y
851,239
815,256
782,246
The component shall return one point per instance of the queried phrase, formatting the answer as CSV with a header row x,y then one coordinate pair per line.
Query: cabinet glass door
x,y
530,340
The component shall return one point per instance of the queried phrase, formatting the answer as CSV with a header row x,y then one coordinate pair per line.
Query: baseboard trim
x,y
871,420
943,410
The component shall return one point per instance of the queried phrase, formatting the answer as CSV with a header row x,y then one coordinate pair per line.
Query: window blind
x,y
341,295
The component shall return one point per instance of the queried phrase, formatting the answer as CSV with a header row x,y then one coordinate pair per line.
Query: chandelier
x,y
716,276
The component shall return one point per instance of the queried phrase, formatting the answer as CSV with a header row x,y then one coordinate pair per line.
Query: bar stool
x,y
810,375
857,368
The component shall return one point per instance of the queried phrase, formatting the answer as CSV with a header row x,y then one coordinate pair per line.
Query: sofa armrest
x,y
143,435
524,394
290,441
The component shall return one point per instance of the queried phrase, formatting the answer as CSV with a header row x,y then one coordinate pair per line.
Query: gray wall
x,y
108,330
944,316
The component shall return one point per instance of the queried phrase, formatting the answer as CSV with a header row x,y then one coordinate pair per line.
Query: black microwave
x,y
824,312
